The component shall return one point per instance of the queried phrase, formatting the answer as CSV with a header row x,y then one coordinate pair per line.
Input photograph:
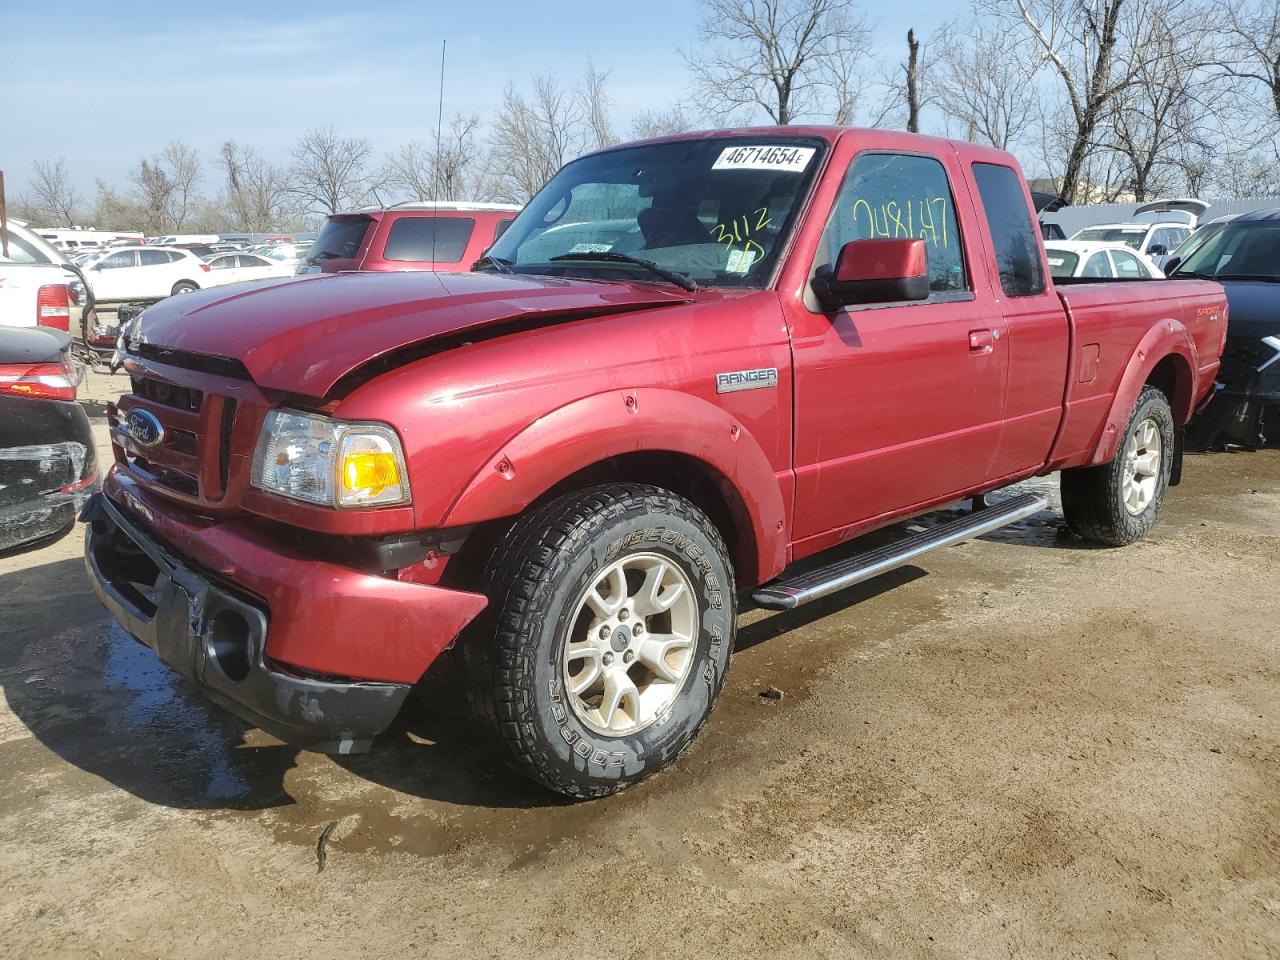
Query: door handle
x,y
982,341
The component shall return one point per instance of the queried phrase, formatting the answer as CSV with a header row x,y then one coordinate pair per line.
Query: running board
x,y
788,594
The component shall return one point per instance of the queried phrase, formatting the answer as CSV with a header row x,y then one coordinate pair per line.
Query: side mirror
x,y
1157,250
1172,265
874,271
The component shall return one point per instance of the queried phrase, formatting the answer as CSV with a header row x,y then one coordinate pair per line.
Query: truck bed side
x,y
1121,332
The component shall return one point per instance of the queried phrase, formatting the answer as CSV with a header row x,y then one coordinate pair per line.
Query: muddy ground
x,y
1021,747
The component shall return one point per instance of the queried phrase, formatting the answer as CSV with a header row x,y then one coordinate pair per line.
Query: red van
x,y
416,235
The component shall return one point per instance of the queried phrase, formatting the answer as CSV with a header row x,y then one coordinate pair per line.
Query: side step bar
x,y
787,594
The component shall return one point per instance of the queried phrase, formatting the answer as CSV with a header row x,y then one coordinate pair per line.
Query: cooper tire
x,y
540,583
1102,503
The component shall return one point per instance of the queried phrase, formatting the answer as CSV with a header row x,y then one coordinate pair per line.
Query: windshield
x,y
1128,235
340,238
718,211
1237,250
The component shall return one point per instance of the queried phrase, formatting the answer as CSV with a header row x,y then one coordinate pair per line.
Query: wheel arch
x,y
1164,358
669,439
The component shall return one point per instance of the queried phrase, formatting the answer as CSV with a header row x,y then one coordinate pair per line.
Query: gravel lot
x,y
1021,747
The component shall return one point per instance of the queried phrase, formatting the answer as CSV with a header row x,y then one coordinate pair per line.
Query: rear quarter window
x,y
1017,246
431,239
1062,263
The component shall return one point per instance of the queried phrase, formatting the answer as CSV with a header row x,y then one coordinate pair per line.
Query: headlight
x,y
329,462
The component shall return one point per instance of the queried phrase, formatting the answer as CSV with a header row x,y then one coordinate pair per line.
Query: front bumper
x,y
1248,394
317,655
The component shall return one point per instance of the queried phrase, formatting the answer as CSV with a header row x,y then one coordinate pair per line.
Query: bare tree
x,y
256,189
438,168
53,191
1093,47
911,78
1252,32
660,123
984,84
784,57
596,106
330,172
533,137
1164,114
183,163
153,195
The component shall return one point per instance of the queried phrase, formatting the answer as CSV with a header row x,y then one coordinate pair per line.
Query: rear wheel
x,y
184,286
1116,503
612,619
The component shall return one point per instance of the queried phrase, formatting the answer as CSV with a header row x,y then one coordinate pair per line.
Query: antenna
x,y
435,179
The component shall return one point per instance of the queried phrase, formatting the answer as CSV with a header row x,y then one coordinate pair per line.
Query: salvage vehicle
x,y
1244,256
687,365
1176,219
39,286
47,464
1098,261
418,235
145,272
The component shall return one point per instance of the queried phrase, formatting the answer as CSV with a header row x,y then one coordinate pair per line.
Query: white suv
x,y
145,273
37,284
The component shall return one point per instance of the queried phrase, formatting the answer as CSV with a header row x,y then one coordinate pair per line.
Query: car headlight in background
x,y
332,463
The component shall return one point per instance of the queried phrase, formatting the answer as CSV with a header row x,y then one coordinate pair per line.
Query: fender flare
x,y
1164,339
590,430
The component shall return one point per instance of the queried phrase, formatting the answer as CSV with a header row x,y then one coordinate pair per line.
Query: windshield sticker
x,y
1056,261
785,159
740,261
591,248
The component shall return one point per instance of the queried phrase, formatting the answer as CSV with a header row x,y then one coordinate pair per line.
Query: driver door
x,y
897,404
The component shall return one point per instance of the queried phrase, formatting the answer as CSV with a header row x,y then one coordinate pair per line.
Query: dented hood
x,y
303,334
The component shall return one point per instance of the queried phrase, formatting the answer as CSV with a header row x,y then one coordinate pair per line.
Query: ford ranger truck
x,y
688,364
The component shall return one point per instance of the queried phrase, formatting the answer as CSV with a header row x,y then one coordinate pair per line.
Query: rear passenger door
x,y
897,404
1038,338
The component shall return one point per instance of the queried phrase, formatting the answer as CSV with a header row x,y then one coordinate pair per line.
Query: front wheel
x,y
184,286
612,619
1116,503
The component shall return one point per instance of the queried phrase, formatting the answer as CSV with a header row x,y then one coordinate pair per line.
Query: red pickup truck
x,y
688,364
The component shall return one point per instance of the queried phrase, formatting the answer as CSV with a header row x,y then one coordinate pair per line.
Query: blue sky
x,y
102,84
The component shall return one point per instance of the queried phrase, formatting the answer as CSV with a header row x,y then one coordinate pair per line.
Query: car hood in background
x,y
303,334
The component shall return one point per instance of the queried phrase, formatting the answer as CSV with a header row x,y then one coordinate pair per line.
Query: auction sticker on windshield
x,y
764,157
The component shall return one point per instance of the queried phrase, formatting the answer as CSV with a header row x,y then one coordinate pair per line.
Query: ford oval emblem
x,y
145,428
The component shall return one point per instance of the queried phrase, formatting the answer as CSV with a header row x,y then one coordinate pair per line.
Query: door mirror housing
x,y
874,271
1172,265
1157,250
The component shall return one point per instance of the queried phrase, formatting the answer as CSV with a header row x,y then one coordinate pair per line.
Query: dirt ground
x,y
1022,747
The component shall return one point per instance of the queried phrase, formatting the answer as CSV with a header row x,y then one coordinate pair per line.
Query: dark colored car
x,y
1244,256
408,236
47,466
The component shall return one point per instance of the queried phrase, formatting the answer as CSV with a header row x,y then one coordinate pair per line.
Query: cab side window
x,y
1009,217
886,195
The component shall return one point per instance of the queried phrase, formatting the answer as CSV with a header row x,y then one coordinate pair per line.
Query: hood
x,y
1254,308
303,334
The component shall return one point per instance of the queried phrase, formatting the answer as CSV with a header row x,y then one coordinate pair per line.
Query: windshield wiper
x,y
1191,273
502,266
683,281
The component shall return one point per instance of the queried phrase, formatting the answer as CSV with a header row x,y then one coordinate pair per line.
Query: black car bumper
x,y
1246,406
217,641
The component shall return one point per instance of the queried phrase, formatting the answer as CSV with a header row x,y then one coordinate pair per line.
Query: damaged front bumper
x,y
1246,404
218,641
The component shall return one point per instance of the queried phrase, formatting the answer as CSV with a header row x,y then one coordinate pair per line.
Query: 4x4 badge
x,y
746,380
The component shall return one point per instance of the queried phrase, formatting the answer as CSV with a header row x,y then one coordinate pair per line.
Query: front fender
x,y
1166,338
592,429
